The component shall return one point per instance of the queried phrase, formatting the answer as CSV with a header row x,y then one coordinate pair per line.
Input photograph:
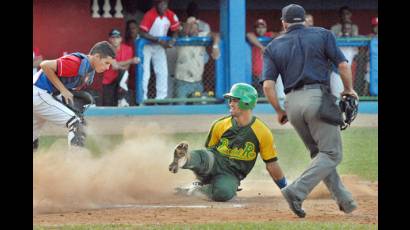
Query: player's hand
x,y
350,92
216,53
171,43
163,43
136,60
282,117
68,97
263,49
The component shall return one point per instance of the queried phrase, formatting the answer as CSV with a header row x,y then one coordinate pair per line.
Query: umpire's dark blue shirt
x,y
301,56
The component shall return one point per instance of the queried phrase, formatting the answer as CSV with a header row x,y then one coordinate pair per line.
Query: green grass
x,y
225,226
360,149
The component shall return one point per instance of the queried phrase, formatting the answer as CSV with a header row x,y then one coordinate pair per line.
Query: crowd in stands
x,y
179,70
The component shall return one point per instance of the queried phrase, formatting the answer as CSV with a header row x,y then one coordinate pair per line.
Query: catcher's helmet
x,y
246,94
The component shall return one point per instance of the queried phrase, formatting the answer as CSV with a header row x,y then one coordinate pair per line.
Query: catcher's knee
x,y
76,133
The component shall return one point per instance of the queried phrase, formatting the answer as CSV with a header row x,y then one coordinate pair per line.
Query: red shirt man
x,y
258,48
124,53
124,58
257,51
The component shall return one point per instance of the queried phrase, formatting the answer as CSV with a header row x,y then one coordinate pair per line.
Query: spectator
x,y
37,59
309,20
131,35
204,29
115,78
131,32
190,62
257,55
345,28
156,23
375,27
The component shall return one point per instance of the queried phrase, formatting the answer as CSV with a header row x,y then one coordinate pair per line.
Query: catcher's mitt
x,y
349,107
82,100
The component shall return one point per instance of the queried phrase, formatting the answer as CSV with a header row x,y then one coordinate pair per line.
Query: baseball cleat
x,y
348,207
180,153
190,190
294,204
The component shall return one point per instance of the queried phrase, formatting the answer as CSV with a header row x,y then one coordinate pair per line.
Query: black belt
x,y
309,86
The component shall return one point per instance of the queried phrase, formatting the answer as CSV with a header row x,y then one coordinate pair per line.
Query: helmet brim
x,y
229,95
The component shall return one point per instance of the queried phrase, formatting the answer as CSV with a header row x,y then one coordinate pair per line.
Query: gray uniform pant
x,y
323,140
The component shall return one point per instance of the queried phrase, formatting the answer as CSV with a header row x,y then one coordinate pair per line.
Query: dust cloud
x,y
135,171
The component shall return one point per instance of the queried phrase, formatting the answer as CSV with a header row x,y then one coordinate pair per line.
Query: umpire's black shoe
x,y
294,203
181,151
347,207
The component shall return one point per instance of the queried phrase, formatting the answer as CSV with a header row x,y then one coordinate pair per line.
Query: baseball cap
x,y
375,21
115,33
293,13
260,21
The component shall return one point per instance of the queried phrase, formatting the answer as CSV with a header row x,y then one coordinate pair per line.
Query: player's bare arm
x,y
274,170
50,67
153,39
216,53
173,40
346,75
270,92
254,41
125,65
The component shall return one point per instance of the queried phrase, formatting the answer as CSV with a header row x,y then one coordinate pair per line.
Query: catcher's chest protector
x,y
69,82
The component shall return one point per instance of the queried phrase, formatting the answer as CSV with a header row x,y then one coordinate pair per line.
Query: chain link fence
x,y
361,71
203,89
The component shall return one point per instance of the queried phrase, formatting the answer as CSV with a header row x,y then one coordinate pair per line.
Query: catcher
x,y
232,148
56,96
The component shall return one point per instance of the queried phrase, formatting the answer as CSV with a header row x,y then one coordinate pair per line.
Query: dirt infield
x,y
258,202
122,188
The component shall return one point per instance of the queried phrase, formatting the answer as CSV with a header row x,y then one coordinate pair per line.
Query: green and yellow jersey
x,y
237,147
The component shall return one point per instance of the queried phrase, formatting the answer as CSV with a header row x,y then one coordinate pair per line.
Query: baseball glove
x,y
349,107
82,100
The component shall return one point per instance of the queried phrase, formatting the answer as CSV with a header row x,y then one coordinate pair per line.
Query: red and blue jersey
x,y
72,70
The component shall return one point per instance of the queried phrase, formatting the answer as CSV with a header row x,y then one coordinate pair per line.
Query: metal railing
x,y
214,74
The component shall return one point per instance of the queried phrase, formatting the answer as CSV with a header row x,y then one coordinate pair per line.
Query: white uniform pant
x,y
46,108
156,53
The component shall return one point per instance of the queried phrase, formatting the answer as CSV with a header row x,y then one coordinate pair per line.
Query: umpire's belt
x,y
309,86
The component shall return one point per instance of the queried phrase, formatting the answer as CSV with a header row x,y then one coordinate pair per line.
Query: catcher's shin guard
x,y
76,133
181,156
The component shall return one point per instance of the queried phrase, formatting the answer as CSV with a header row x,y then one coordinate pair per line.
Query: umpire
x,y
302,56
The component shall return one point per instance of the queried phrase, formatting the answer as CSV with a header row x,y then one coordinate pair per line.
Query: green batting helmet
x,y
246,94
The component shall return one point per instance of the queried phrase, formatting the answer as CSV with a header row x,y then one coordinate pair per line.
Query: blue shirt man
x,y
302,56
